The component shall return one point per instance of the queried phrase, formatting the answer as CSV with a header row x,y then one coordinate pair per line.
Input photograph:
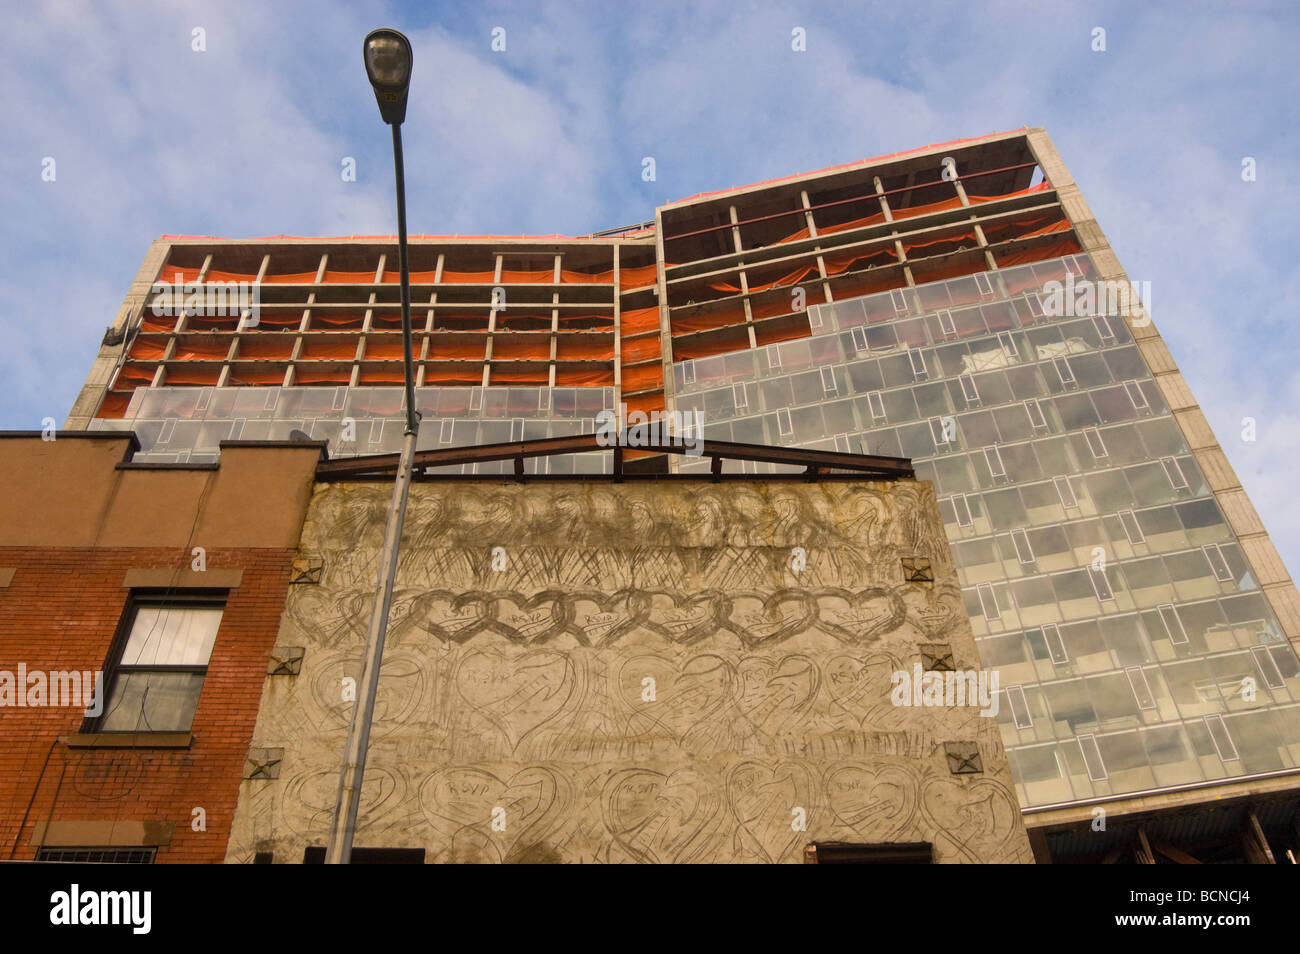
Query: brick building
x,y
163,588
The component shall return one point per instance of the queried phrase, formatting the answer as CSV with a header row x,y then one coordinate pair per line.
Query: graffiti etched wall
x,y
668,671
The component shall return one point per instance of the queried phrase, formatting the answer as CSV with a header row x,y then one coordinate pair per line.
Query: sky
x,y
236,120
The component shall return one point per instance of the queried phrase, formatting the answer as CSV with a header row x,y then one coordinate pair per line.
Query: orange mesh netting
x,y
579,347
459,348
524,376
216,276
146,350
635,320
469,375
190,350
521,346
153,322
584,377
267,346
255,375
114,405
331,374
341,348
643,378
766,335
732,314
789,278
382,349
639,349
843,263
178,274
191,374
350,278
292,278
132,376
335,321
1055,250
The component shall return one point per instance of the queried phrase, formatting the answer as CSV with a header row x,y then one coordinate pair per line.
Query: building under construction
x,y
916,305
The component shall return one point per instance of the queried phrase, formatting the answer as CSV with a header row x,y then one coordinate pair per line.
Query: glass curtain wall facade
x,y
1101,578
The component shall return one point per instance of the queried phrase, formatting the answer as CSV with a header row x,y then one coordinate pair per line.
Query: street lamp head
x,y
388,66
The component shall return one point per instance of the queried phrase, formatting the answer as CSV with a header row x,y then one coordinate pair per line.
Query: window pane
x,y
152,702
172,636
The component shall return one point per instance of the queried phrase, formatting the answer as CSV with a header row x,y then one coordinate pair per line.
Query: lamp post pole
x,y
388,64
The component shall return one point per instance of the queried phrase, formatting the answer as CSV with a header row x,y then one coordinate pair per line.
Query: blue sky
x,y
248,136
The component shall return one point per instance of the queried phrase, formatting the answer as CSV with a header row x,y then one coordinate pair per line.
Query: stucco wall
x,y
524,688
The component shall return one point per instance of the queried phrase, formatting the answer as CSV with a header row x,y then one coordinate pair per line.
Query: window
x,y
1136,397
1222,741
1067,375
1095,443
1104,330
942,430
982,285
153,685
961,509
99,856
988,602
1055,646
1019,708
1092,758
1131,529
859,339
917,359
1173,624
994,459
444,431
1008,342
1065,492
688,371
783,422
877,406
968,389
1035,412
828,381
1217,563
1100,585
738,396
517,429
1024,552
945,323
899,302
1137,680
1174,471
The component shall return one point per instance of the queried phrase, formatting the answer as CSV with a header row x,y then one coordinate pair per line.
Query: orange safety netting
x,y
191,374
733,314
114,405
737,339
639,349
291,278
255,375
954,240
214,275
635,320
349,278
331,374
394,277
580,347
521,346
190,350
539,376
146,350
154,322
178,274
336,321
914,211
471,375
766,335
464,348
993,198
790,278
1055,250
842,263
331,348
653,401
638,277
527,276
132,376
381,376
584,377
643,378
381,349
267,346
289,320
605,320
572,277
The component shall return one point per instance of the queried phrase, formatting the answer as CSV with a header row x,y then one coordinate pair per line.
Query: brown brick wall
x,y
60,612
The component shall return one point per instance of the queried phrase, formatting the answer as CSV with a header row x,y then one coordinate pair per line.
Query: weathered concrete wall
x,y
524,687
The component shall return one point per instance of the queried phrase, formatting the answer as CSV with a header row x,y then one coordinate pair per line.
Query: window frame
x,y
215,598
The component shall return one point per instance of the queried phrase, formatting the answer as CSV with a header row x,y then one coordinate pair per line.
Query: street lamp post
x,y
388,65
